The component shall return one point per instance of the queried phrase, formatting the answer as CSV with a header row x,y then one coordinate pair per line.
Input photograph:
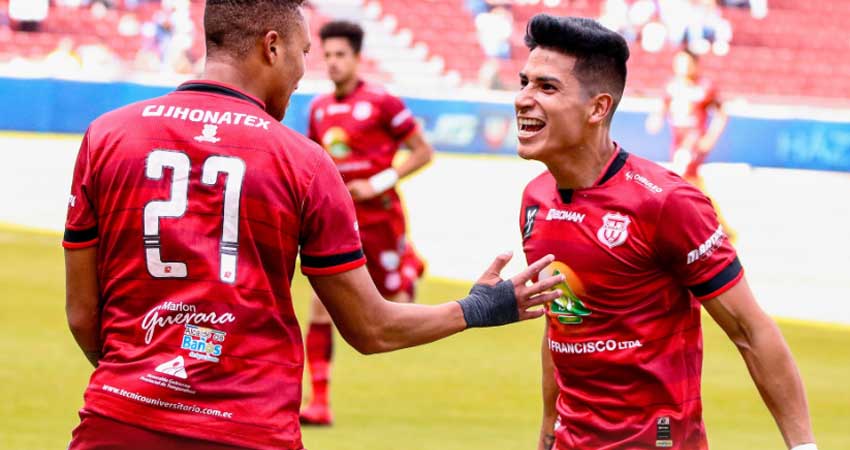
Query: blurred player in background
x,y
642,250
361,126
181,240
696,116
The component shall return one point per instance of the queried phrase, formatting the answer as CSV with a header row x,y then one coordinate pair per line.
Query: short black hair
x,y
233,25
349,31
600,53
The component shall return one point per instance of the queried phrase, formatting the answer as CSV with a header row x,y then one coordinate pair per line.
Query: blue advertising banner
x,y
456,126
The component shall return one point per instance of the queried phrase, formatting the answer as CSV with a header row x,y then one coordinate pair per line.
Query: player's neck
x,y
346,87
227,73
581,166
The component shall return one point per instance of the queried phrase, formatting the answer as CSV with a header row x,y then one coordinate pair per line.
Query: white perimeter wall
x,y
794,226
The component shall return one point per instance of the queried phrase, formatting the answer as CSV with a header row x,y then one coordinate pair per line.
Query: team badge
x,y
362,111
614,229
209,134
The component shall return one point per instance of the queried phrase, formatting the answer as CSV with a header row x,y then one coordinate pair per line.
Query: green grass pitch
x,y
478,390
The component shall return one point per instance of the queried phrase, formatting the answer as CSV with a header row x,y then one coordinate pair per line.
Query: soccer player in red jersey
x,y
696,116
185,218
642,251
361,126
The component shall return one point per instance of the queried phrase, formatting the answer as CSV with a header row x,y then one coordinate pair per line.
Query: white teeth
x,y
523,121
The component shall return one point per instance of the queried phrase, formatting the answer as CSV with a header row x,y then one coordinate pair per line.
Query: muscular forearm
x,y
409,325
775,374
420,155
82,305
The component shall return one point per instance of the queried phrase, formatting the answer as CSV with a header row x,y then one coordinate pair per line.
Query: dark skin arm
x,y
82,300
371,324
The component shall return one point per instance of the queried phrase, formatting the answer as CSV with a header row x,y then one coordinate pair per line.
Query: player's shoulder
x,y
655,183
540,186
120,118
377,93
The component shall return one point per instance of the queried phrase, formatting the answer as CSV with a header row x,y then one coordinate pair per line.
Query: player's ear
x,y
272,46
600,106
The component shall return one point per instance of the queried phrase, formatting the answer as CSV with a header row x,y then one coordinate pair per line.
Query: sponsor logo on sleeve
x,y
643,181
707,248
72,201
614,229
530,215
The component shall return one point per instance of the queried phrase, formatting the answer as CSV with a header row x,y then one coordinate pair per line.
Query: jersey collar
x,y
214,87
357,87
618,160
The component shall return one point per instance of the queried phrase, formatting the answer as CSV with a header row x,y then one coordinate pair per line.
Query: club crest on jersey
x,y
362,110
614,229
208,134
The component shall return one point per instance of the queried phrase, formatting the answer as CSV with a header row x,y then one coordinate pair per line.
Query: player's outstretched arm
x,y
768,359
421,154
82,306
550,395
372,325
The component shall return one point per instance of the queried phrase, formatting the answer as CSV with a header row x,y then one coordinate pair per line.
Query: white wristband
x,y
384,180
805,447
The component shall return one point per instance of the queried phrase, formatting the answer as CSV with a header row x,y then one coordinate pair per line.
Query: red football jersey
x,y
640,250
199,203
362,132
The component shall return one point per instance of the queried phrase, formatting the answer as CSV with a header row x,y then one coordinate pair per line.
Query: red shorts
x,y
392,263
96,432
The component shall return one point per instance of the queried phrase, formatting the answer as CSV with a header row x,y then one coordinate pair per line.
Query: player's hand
x,y
361,190
527,296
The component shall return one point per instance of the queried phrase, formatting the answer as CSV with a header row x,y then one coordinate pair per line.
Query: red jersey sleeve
x,y
398,119
330,241
81,222
693,245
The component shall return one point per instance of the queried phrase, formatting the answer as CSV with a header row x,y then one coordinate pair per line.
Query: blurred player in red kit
x,y
693,108
185,218
361,126
642,252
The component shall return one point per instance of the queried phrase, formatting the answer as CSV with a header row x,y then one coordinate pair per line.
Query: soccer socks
x,y
319,353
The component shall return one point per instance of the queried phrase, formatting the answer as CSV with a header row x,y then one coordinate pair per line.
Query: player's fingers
x,y
539,299
543,285
532,270
491,275
531,314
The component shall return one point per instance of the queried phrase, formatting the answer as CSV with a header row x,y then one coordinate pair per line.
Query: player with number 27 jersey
x,y
198,229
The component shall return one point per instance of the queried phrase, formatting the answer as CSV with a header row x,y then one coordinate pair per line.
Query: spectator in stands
x,y
63,61
28,14
707,30
494,31
758,8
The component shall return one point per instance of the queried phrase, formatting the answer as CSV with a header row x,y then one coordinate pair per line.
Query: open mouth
x,y
529,126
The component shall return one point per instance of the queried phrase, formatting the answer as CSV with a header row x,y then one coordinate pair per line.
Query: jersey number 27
x,y
180,164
